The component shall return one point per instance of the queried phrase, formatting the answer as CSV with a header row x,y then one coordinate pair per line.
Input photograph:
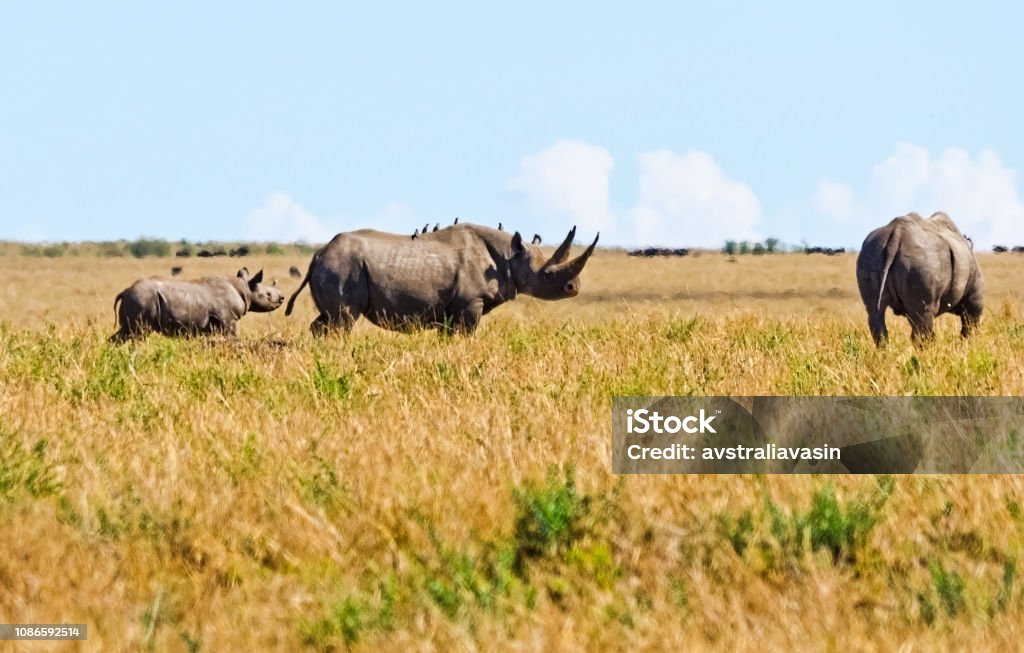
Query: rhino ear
x,y
256,280
243,274
517,244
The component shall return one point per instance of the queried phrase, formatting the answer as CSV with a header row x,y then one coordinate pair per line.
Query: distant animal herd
x,y
205,253
648,252
449,278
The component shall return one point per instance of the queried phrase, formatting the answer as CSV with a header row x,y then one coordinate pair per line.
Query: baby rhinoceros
x,y
179,307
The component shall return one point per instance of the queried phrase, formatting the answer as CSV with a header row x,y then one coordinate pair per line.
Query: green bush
x,y
109,249
548,516
149,247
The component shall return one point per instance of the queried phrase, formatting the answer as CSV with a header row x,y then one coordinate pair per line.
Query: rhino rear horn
x,y
562,253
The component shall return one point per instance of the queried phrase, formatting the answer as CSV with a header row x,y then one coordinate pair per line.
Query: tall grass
x,y
387,491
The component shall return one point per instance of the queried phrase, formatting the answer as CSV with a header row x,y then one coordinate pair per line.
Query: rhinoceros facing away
x,y
444,279
179,307
921,268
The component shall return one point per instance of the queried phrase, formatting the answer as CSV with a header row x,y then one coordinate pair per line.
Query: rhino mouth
x,y
568,290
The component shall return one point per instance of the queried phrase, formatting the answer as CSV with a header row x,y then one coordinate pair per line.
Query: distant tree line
x,y
774,246
154,247
740,247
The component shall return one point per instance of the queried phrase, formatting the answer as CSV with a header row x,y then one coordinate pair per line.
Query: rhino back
x,y
194,304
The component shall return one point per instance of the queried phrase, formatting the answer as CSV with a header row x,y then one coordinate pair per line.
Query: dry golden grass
x,y
409,492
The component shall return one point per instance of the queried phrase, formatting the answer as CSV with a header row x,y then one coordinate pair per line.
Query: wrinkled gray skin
x,y
922,269
203,306
446,279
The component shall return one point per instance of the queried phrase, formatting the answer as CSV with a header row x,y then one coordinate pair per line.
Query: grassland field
x,y
385,491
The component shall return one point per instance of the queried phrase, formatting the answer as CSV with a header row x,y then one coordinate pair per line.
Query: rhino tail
x,y
892,246
161,309
291,300
117,300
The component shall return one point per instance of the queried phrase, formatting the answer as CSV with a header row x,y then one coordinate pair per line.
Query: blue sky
x,y
655,123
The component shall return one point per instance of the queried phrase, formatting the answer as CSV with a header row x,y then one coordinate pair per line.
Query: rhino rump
x,y
921,269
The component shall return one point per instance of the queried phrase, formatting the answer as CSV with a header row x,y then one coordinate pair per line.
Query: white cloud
x,y
569,179
834,200
36,230
281,218
979,193
896,181
681,200
687,199
395,217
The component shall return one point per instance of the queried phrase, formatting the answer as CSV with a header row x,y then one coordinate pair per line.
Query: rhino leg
x,y
968,323
468,318
318,327
120,336
124,333
326,323
227,327
338,310
922,323
970,312
462,319
970,316
876,323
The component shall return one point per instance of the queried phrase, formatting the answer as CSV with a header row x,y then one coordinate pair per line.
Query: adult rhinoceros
x,y
921,268
446,279
179,307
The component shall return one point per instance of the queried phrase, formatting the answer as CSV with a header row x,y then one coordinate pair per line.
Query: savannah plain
x,y
412,492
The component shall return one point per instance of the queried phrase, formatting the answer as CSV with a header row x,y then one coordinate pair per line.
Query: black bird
x,y
456,221
500,228
426,227
437,226
415,233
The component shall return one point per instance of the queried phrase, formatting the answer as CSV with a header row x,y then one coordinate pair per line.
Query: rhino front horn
x,y
581,260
